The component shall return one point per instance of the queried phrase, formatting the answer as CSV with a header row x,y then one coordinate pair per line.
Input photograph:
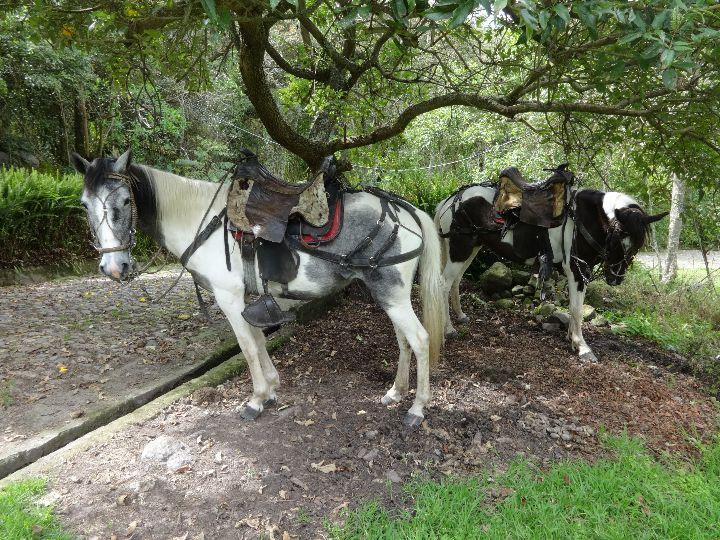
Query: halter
x,y
614,227
125,181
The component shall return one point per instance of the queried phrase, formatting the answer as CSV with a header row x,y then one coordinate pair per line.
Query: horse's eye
x,y
84,205
127,201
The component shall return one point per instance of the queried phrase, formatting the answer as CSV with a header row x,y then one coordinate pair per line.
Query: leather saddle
x,y
542,204
261,203
265,212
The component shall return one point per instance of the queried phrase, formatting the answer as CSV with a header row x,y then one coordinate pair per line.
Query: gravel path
x,y
69,348
687,258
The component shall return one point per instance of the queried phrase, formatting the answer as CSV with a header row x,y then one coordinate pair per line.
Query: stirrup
x,y
265,312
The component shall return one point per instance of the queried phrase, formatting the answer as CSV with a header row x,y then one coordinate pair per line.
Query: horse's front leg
x,y
271,375
575,336
232,304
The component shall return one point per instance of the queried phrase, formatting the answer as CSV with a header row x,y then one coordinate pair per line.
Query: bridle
x,y
613,229
125,181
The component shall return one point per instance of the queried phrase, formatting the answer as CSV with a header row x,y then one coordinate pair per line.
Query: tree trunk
x,y
677,203
82,134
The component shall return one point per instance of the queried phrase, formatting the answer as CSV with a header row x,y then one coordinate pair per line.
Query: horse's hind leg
x,y
452,274
400,387
232,304
405,319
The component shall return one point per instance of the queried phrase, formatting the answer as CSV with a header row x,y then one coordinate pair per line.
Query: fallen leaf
x,y
361,412
183,316
37,530
286,535
124,499
566,480
62,368
131,528
283,494
142,299
305,422
328,468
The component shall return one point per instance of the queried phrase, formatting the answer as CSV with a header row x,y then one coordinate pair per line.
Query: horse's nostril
x,y
124,269
102,268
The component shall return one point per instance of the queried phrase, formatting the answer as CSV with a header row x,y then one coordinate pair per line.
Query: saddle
x,y
261,203
541,204
265,214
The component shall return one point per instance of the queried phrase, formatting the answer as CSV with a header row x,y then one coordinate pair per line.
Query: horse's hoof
x,y
452,334
589,357
250,413
464,319
412,421
269,402
388,400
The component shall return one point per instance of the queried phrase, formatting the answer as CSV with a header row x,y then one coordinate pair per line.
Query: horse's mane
x,y
176,195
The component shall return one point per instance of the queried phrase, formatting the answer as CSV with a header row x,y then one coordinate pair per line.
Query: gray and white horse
x,y
169,208
615,228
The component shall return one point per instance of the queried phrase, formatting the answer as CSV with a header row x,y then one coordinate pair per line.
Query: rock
x,y
505,303
29,159
161,449
551,327
559,316
495,279
565,436
479,302
178,460
588,312
527,289
520,277
517,289
393,476
545,310
618,328
599,321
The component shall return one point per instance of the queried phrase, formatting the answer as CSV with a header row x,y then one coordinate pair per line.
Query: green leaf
x,y
667,57
499,5
629,38
660,19
669,77
461,13
563,13
410,5
274,3
529,19
209,7
543,18
399,9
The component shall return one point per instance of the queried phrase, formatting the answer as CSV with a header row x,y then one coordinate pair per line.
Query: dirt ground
x,y
505,389
68,348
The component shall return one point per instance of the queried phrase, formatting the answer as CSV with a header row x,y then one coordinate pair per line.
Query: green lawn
x,y
21,517
630,495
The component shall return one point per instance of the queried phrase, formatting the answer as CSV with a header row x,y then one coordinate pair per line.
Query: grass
x,y
683,316
629,495
21,517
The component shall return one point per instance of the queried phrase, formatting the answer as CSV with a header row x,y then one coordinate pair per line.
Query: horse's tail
x,y
432,286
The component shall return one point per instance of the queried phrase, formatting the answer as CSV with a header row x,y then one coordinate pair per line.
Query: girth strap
x,y
352,259
247,252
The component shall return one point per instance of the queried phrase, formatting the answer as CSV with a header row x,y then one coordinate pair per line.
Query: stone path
x,y
71,348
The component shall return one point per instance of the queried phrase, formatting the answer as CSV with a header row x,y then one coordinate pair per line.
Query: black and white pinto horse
x,y
604,228
169,208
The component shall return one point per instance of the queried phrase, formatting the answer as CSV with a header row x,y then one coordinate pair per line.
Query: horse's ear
x,y
657,217
80,163
123,162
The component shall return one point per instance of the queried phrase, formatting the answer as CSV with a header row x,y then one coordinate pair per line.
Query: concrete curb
x,y
223,364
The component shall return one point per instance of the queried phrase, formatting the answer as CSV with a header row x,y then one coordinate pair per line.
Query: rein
x,y
125,181
612,228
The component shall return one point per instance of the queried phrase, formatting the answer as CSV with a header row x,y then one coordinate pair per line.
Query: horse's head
x,y
112,215
626,235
